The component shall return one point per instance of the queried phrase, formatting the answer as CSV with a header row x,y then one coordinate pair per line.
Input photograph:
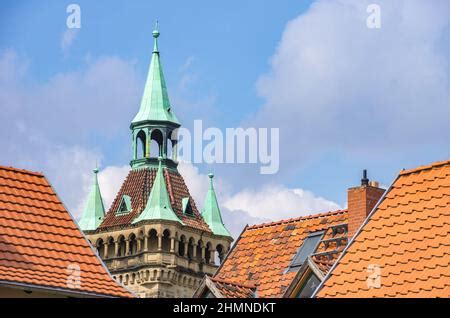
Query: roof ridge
x,y
21,171
425,167
306,217
224,281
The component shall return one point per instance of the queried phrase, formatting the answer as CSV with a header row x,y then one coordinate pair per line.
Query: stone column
x,y
116,248
139,245
202,259
159,242
177,245
194,251
146,243
186,249
105,251
212,259
172,244
127,247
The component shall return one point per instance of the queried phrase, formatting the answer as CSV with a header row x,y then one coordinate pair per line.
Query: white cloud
x,y
47,127
100,99
333,82
110,179
250,206
276,202
67,39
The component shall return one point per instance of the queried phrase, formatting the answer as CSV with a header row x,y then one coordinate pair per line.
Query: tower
x,y
153,238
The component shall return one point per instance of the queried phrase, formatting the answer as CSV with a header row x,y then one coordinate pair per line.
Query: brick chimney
x,y
361,201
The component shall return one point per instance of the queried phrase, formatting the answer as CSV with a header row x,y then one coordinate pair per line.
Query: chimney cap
x,y
364,180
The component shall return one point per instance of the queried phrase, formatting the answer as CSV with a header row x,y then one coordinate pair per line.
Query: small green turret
x,y
94,211
211,212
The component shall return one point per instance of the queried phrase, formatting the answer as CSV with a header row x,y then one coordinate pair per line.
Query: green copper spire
x,y
158,205
155,104
211,212
94,210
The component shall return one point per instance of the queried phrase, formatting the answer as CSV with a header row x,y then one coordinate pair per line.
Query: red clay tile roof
x,y
39,239
234,290
330,248
264,252
406,238
138,185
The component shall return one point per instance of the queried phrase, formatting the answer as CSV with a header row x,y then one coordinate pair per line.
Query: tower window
x,y
141,143
125,205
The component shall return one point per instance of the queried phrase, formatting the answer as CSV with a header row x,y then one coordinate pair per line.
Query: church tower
x,y
153,239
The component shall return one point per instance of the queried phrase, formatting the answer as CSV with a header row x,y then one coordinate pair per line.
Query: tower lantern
x,y
155,124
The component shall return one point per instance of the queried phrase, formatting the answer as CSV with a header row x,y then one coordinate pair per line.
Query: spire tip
x,y
156,30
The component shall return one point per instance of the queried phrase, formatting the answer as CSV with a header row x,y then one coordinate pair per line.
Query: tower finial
x,y
155,36
211,176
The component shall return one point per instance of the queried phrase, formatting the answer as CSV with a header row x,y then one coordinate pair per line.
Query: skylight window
x,y
308,247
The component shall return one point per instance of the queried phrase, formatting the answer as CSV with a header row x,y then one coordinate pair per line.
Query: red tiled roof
x,y
234,290
138,185
406,240
330,248
39,239
264,252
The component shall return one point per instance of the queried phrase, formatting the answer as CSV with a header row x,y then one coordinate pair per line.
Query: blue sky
x,y
345,97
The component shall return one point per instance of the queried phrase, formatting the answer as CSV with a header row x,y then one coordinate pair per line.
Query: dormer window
x,y
187,208
124,206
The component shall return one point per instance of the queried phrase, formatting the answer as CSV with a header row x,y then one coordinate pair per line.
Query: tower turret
x,y
155,120
211,212
94,210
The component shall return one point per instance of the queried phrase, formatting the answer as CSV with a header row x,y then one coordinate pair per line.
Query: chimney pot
x,y
361,201
364,180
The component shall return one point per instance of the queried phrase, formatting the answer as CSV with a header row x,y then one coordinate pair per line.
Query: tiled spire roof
x,y
158,205
94,210
155,104
211,212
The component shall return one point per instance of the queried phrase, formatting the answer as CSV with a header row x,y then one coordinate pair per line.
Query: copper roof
x,y
138,185
263,253
39,240
404,248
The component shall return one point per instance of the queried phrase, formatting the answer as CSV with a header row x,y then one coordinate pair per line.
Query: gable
x,y
40,244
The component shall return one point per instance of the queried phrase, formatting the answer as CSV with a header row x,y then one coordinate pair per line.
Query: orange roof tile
x,y
234,290
263,253
405,240
39,239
